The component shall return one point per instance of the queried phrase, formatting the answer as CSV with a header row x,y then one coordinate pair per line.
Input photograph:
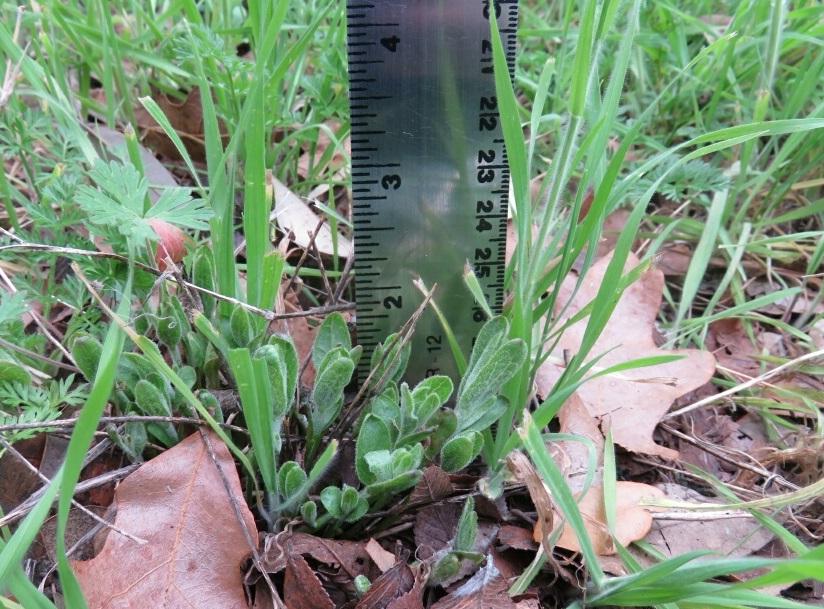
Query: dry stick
x,y
62,423
686,473
24,508
703,516
746,385
345,276
241,521
268,315
326,285
401,340
37,356
708,447
47,481
312,236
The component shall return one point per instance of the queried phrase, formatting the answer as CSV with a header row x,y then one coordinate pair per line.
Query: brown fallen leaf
x,y
523,471
383,559
632,402
186,117
302,588
395,584
633,521
487,589
435,527
434,485
516,538
674,258
178,503
348,558
730,537
574,457
412,599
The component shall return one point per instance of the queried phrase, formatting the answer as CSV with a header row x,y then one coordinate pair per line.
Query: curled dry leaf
x,y
292,214
348,556
195,545
186,117
523,471
632,402
513,537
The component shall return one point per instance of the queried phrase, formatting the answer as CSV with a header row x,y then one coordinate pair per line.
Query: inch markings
x,y
430,176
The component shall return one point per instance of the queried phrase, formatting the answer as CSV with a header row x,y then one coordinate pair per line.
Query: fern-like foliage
x,y
25,403
685,180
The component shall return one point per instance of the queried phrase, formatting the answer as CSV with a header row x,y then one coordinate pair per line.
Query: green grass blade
x,y
561,493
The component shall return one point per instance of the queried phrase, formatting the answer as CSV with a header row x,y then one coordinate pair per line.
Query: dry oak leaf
x,y
195,545
575,457
633,521
632,402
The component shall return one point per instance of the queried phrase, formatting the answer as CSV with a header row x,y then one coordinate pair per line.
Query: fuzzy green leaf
x,y
373,436
333,332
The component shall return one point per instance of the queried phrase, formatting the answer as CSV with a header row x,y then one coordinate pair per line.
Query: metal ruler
x,y
430,179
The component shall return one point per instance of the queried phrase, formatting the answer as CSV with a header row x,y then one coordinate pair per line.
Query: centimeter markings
x,y
430,177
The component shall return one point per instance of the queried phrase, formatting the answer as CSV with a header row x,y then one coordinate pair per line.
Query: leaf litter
x,y
178,503
320,572
633,402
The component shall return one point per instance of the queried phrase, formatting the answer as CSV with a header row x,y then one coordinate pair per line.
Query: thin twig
x,y
327,286
701,517
38,319
247,534
312,236
63,423
345,276
24,508
37,356
719,453
746,385
47,481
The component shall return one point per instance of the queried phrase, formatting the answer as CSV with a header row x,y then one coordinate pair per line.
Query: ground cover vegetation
x,y
640,426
